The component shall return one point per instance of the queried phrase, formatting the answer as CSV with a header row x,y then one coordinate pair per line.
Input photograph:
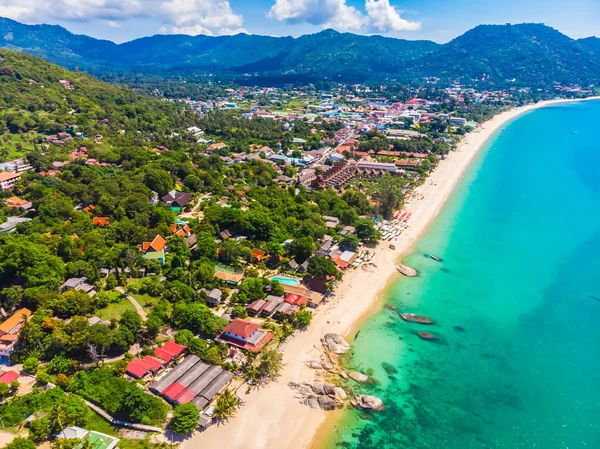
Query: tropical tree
x,y
185,418
226,405
270,364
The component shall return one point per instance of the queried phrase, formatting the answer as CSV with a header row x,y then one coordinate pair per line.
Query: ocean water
x,y
516,304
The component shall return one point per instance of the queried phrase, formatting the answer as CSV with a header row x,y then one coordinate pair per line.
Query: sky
x,y
437,20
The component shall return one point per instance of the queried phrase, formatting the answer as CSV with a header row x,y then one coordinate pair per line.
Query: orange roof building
x,y
101,221
157,245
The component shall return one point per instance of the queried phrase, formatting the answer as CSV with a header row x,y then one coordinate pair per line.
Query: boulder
x,y
315,364
335,343
358,377
367,402
340,394
329,390
317,388
326,403
312,402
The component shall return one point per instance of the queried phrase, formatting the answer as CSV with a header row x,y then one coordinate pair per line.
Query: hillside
x,y
525,54
32,87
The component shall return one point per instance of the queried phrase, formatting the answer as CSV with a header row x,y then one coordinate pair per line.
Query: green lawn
x,y
115,310
99,424
146,301
9,142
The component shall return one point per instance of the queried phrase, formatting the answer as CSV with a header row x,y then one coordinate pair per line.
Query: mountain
x,y
523,54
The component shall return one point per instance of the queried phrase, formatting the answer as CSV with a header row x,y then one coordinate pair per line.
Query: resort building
x,y
245,335
9,333
8,180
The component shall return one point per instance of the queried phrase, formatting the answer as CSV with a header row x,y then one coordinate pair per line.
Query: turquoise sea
x,y
516,304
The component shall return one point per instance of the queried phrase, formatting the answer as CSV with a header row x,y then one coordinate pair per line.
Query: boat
x,y
436,258
412,318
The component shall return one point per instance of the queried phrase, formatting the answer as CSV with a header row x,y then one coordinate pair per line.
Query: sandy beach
x,y
272,417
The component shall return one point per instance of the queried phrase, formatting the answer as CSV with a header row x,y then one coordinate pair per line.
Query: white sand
x,y
272,418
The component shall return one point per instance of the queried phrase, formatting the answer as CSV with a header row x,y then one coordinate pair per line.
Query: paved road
x,y
133,301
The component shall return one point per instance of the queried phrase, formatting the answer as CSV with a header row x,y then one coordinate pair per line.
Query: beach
x,y
272,416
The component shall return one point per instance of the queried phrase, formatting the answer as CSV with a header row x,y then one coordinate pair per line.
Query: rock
x,y
344,375
340,394
367,402
390,369
359,377
326,365
317,388
315,364
335,343
426,336
312,402
407,271
329,390
326,403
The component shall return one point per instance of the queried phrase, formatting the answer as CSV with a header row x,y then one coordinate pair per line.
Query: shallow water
x,y
516,304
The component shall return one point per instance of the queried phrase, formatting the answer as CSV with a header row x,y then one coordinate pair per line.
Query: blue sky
x,y
438,20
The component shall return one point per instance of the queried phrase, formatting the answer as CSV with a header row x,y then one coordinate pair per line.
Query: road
x,y
133,301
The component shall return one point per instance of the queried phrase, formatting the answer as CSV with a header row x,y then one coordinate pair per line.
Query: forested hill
x,y
524,54
33,97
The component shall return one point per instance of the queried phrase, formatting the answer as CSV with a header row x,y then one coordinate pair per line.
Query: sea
x,y
515,302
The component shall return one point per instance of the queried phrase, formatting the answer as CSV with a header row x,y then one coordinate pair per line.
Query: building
x,y
458,120
9,333
89,438
169,350
214,297
79,284
18,203
8,180
154,249
245,335
140,368
177,199
8,376
11,224
192,381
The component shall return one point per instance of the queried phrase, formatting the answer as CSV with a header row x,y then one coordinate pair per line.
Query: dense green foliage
x,y
185,418
120,398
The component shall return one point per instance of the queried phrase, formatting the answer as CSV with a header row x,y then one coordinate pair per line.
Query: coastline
x,y
272,416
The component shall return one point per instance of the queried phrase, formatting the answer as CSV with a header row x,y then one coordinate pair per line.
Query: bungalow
x,y
214,297
140,368
177,199
330,222
17,202
100,222
78,284
271,303
11,224
245,335
8,376
154,249
215,146
169,350
296,300
181,230
89,438
255,307
9,333
258,255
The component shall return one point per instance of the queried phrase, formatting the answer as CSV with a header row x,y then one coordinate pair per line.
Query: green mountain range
x,y
523,54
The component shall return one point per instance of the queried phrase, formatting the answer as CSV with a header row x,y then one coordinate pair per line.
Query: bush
x,y
31,365
185,418
39,430
240,312
20,443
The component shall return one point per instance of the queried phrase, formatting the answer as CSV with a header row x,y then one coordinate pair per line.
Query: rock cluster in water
x,y
367,402
335,343
317,395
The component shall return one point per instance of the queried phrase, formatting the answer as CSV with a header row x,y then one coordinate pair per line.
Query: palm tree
x,y
270,364
226,405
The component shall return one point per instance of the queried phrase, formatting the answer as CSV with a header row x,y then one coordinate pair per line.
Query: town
x,y
158,255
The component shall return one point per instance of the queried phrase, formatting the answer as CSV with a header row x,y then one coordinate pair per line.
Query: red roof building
x,y
296,300
169,350
8,377
245,335
140,368
156,245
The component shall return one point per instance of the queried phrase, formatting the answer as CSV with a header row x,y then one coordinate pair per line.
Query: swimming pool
x,y
284,280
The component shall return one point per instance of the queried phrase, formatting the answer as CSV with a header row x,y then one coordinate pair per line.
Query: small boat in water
x,y
436,258
412,318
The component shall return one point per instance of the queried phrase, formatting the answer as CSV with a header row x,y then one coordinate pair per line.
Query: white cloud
x,y
178,16
113,24
380,15
384,18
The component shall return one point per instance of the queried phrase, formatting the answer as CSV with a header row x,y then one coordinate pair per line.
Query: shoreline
x,y
272,416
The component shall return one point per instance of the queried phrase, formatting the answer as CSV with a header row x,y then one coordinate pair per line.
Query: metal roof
x,y
208,376
162,384
217,385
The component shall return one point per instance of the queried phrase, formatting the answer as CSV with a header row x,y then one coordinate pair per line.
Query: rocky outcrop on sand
x,y
335,343
367,402
318,395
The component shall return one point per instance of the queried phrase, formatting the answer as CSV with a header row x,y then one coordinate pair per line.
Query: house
x,y
458,120
215,146
214,297
245,335
9,333
258,255
140,368
8,180
330,222
11,224
255,307
177,199
100,222
296,300
271,303
157,245
17,202
8,376
79,284
89,438
169,350
293,265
